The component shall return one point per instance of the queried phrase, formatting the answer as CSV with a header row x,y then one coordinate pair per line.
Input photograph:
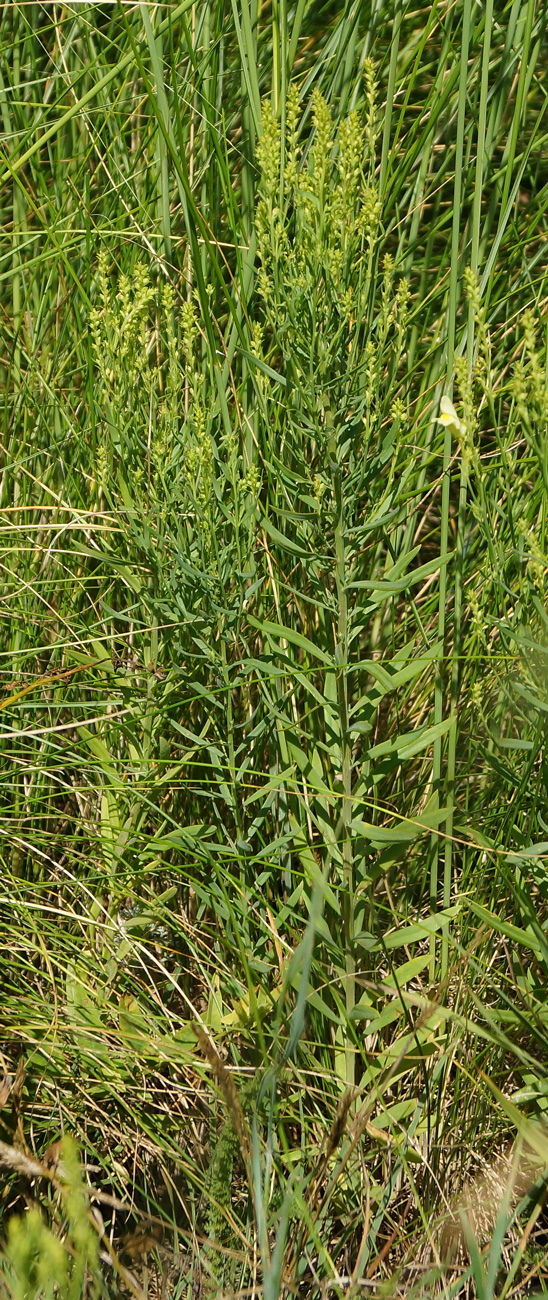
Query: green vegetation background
x,y
273,508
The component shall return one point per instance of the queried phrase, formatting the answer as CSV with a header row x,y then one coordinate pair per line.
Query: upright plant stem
x,y
446,487
16,272
394,49
463,488
480,148
341,653
155,45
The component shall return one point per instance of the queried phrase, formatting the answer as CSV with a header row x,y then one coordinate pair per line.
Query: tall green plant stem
x,y
463,488
230,731
444,525
341,654
154,41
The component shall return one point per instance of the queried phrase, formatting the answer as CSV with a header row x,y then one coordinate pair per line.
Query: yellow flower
x,y
449,418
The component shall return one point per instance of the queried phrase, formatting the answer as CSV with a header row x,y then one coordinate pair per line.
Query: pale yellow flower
x,y
449,418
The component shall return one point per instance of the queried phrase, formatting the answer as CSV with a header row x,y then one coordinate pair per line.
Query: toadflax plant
x,y
334,316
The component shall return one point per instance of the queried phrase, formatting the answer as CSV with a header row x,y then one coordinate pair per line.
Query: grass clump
x,y
62,1260
273,505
